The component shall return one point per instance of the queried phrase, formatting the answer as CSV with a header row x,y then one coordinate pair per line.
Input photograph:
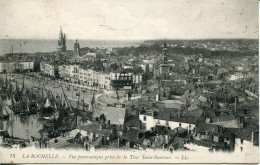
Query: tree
x,y
114,66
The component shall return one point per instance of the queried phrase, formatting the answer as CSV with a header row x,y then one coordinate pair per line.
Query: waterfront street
x,y
76,92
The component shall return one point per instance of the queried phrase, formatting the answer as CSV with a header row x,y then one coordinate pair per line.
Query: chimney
x,y
252,137
235,104
154,113
220,129
108,123
118,142
139,135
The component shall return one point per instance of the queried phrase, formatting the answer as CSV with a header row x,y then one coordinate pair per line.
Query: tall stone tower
x,y
164,68
61,42
76,48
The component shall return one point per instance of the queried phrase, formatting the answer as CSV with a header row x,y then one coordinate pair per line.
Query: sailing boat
x,y
7,105
93,103
4,113
26,110
55,114
47,104
47,109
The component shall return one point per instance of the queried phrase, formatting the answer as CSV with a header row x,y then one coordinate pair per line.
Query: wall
x,y
243,147
151,122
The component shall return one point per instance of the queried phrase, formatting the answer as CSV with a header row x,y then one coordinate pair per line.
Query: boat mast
x,y
54,113
77,111
12,124
93,102
6,81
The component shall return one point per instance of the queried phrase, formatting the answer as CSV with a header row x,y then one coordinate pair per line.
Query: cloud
x,y
122,19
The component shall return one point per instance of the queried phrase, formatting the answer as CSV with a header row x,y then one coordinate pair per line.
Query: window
x,y
180,124
241,140
144,118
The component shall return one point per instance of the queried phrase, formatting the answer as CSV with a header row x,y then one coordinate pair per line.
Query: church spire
x,y
61,42
61,34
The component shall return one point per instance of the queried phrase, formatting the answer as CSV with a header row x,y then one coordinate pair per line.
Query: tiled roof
x,y
132,135
133,121
172,105
244,134
169,115
207,143
95,128
223,118
116,115
193,107
206,128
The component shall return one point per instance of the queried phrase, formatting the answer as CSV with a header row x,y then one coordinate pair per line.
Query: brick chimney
x,y
108,123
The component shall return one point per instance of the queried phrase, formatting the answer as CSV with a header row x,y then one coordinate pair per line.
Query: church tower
x,y
76,48
164,67
165,59
61,42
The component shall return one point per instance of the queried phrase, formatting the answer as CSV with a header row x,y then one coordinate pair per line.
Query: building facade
x,y
49,69
121,80
88,77
7,67
150,121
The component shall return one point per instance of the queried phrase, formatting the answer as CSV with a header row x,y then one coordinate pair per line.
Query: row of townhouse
x,y
49,69
84,76
7,67
90,77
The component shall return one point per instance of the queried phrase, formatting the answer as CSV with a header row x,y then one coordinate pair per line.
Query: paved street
x,y
72,91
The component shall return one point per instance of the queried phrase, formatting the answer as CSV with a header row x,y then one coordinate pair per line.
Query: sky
x,y
129,20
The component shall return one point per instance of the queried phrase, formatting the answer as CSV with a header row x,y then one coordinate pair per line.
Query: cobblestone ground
x,y
86,92
55,88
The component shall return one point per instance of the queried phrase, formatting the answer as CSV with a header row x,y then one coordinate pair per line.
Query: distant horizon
x,y
167,39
